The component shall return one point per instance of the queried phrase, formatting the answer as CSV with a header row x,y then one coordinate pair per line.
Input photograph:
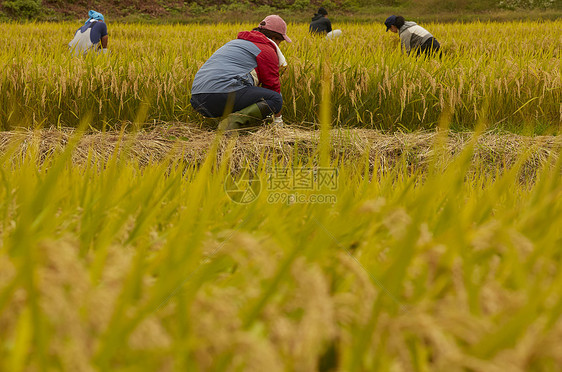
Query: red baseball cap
x,y
276,24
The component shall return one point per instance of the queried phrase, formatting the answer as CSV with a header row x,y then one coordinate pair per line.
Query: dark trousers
x,y
214,105
430,47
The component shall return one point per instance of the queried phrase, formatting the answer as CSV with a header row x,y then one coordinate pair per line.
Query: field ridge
x,y
191,143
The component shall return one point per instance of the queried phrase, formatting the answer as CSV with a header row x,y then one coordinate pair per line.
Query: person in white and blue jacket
x,y
92,36
413,37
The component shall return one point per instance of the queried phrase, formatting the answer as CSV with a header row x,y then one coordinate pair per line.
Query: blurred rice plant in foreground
x,y
108,265
508,74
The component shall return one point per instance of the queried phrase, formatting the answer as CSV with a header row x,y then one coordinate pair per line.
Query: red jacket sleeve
x,y
268,67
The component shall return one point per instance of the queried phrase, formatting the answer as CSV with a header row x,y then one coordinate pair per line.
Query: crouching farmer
x,y
413,37
242,77
91,36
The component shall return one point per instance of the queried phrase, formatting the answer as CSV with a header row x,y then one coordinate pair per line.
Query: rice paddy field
x,y
506,73
407,218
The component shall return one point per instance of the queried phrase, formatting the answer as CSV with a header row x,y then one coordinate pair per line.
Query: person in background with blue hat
x,y
413,38
92,36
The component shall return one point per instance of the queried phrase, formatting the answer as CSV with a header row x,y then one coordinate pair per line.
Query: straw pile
x,y
289,145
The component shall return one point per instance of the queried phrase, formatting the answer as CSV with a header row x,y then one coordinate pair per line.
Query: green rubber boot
x,y
247,117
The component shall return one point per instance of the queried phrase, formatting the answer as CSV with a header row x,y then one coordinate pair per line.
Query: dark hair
x,y
322,11
399,22
270,34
